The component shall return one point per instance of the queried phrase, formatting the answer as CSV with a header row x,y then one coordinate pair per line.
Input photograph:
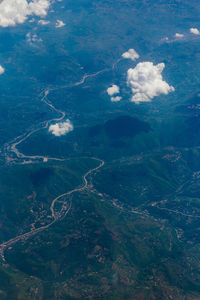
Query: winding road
x,y
55,217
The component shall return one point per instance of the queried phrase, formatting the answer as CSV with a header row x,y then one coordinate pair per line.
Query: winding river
x,y
11,149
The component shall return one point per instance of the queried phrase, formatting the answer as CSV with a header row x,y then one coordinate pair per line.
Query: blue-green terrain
x,y
99,150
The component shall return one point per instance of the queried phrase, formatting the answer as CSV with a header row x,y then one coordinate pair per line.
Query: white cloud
x,y
114,89
39,7
63,128
33,38
179,35
115,99
59,24
195,31
165,39
131,54
32,20
43,22
2,70
146,82
14,12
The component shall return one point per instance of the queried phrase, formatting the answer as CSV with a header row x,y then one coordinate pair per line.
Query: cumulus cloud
x,y
131,54
33,38
39,7
146,82
114,89
195,31
165,39
179,35
115,99
43,22
2,70
63,128
14,12
59,24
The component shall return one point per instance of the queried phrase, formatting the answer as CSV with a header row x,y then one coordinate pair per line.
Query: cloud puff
x,y
2,70
115,99
131,54
195,31
165,39
114,89
146,82
59,24
33,38
39,7
14,12
43,22
59,129
179,35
